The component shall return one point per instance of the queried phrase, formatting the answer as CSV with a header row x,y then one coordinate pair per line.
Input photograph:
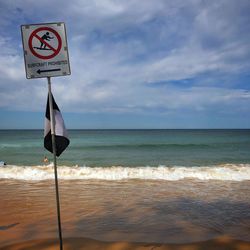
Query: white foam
x,y
225,172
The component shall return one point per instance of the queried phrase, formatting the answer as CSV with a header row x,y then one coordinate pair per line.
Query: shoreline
x,y
222,243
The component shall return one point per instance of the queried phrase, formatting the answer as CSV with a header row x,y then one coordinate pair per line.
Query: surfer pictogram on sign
x,y
45,43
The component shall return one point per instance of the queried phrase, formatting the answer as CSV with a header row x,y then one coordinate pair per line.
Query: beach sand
x,y
100,215
222,243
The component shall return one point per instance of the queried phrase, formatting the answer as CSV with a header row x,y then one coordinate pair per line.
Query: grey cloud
x,y
109,74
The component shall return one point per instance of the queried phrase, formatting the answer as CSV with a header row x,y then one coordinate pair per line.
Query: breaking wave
x,y
225,172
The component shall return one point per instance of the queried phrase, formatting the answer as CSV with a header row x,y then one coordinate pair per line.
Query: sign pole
x,y
52,124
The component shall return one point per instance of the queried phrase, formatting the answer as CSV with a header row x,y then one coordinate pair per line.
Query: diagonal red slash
x,y
43,41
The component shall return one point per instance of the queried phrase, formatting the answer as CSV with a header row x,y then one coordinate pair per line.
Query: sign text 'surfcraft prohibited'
x,y
45,50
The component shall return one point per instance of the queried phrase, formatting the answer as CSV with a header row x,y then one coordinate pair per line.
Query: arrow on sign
x,y
48,70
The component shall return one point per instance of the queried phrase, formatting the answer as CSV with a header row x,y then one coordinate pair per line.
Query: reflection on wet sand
x,y
165,212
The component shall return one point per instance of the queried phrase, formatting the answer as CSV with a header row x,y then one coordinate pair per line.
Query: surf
x,y
223,172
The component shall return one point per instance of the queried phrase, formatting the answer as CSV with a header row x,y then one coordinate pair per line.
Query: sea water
x,y
121,154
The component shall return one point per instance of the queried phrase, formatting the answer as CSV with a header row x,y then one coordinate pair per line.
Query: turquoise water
x,y
132,148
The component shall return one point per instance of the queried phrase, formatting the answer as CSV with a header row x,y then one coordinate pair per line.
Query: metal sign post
x,y
46,55
52,123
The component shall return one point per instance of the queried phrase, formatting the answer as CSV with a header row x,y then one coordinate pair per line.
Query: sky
x,y
134,64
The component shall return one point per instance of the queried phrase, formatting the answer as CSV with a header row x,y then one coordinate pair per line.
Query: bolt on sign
x,y
45,50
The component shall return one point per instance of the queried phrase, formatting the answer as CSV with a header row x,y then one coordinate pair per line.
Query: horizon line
x,y
132,128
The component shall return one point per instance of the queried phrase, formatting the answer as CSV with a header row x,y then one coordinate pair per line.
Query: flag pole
x,y
52,125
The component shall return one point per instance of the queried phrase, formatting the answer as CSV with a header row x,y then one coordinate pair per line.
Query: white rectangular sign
x,y
45,50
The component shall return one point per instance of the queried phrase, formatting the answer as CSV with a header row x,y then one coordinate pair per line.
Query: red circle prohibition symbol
x,y
55,50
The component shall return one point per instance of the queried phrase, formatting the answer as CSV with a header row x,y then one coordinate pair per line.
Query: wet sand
x,y
222,243
188,215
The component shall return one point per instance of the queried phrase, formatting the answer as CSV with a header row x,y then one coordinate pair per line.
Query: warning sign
x,y
45,50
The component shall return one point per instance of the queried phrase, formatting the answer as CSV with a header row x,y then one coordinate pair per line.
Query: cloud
x,y
120,49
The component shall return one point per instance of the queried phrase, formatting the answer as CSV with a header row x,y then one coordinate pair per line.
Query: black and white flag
x,y
61,136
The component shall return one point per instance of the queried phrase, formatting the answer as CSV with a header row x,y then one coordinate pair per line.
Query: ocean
x,y
163,186
148,154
